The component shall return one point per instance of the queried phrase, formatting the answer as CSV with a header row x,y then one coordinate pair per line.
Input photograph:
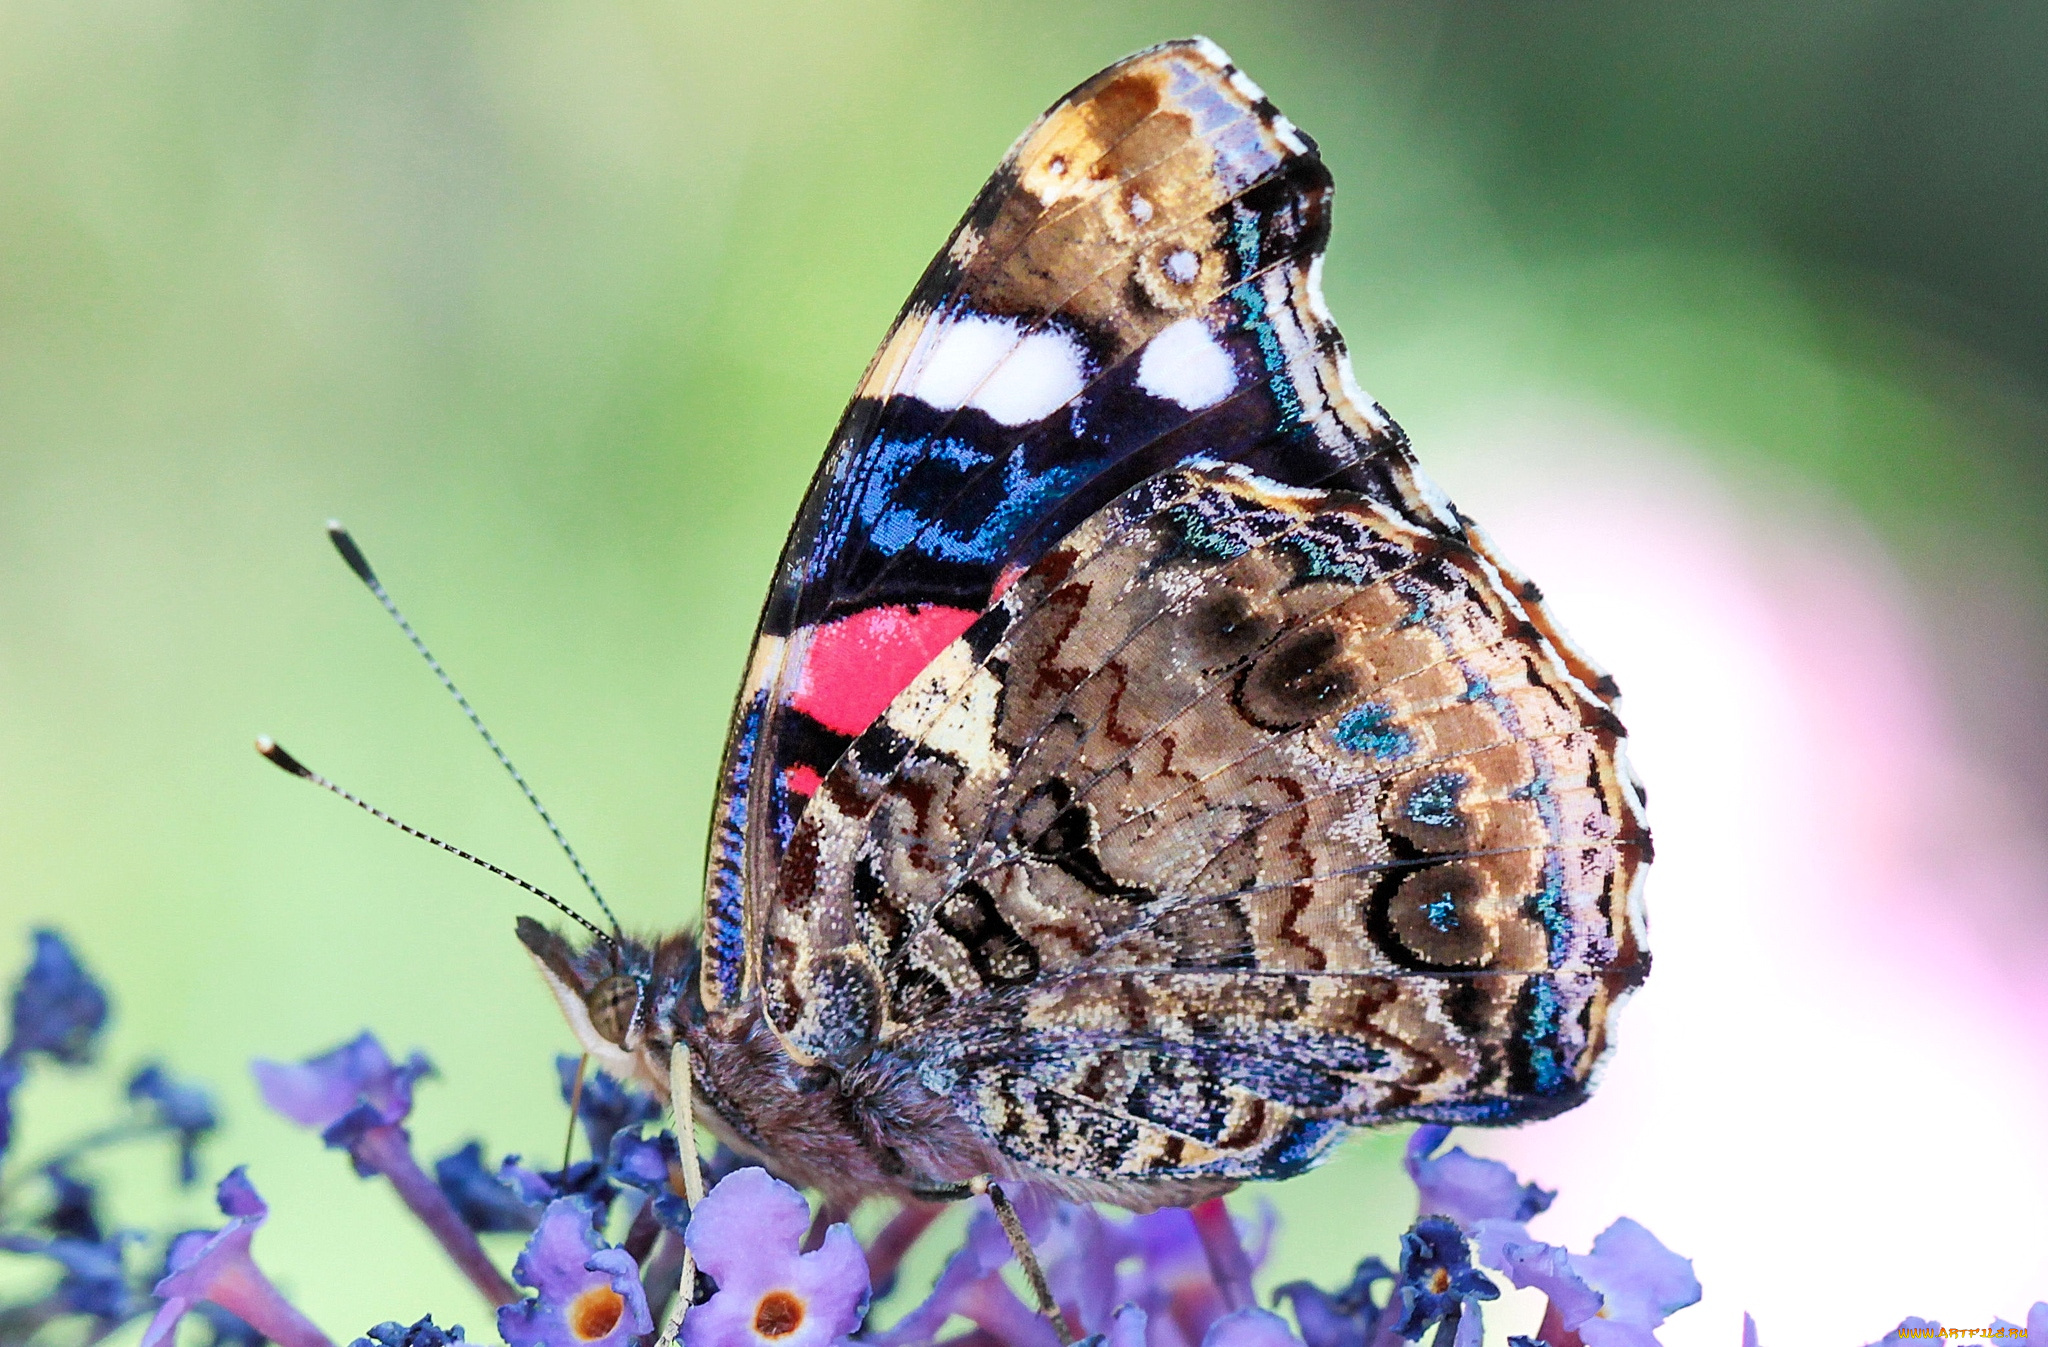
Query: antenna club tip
x,y
350,553
268,747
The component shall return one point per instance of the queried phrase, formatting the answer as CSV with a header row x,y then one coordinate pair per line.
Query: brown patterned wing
x,y
1134,287
1249,814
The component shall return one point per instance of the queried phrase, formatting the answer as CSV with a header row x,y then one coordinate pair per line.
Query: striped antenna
x,y
270,749
360,564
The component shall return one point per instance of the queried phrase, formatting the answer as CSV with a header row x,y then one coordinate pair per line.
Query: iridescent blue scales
x,y
1143,774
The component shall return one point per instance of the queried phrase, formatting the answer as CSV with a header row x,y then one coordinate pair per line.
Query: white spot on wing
x,y
1186,364
954,356
984,363
1044,373
1182,266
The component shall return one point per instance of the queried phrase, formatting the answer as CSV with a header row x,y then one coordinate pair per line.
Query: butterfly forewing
x,y
1136,743
1131,289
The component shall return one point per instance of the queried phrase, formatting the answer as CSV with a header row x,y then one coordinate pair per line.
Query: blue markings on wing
x,y
1550,907
1542,1020
898,500
1271,353
1369,729
1433,801
725,890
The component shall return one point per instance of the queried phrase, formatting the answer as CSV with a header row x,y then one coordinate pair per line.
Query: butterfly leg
x,y
1026,1259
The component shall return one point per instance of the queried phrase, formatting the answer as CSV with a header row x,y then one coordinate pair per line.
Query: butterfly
x,y
1143,775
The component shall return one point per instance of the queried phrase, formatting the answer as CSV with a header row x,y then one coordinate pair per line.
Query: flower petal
x,y
1643,1282
749,1217
1250,1328
58,1008
1466,1188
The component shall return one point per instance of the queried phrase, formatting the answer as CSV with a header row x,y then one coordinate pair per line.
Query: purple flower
x,y
1611,1297
228,1330
588,1292
216,1266
486,1201
360,1100
94,1282
747,1234
1346,1319
58,1011
607,1106
1466,1188
10,1079
58,1008
74,1206
1250,1328
971,1283
1438,1282
359,1075
654,1166
182,1109
425,1333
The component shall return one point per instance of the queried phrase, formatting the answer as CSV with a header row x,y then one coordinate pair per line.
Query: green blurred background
x,y
555,305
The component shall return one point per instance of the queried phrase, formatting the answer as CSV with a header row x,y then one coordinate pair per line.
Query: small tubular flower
x,y
1613,1296
653,1165
321,1091
1346,1318
1466,1188
486,1201
178,1107
747,1236
58,1008
587,1294
1438,1282
359,1099
217,1266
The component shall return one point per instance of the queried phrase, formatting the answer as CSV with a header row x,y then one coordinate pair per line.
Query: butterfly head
x,y
622,997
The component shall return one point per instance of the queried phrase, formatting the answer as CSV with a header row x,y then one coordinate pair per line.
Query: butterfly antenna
x,y
360,564
270,749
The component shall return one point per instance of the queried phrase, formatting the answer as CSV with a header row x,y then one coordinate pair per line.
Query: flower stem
x,y
1228,1263
388,1151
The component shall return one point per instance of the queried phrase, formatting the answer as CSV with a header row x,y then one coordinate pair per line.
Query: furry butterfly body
x,y
1143,775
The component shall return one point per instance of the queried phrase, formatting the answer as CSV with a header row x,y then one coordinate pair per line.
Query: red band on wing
x,y
855,666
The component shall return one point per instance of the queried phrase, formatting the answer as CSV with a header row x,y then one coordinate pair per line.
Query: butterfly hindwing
x,y
1249,813
1135,287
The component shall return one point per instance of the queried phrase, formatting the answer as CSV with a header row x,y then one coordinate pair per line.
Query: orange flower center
x,y
1440,1280
778,1314
595,1313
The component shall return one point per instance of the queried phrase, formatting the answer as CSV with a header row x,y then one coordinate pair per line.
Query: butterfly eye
x,y
612,1004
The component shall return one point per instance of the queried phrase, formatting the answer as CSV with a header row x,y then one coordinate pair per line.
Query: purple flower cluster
x,y
611,1237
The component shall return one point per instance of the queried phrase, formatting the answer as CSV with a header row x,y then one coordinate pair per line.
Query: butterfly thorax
x,y
849,1131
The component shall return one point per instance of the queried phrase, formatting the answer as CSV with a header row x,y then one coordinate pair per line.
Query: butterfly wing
x,y
1135,286
1249,814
